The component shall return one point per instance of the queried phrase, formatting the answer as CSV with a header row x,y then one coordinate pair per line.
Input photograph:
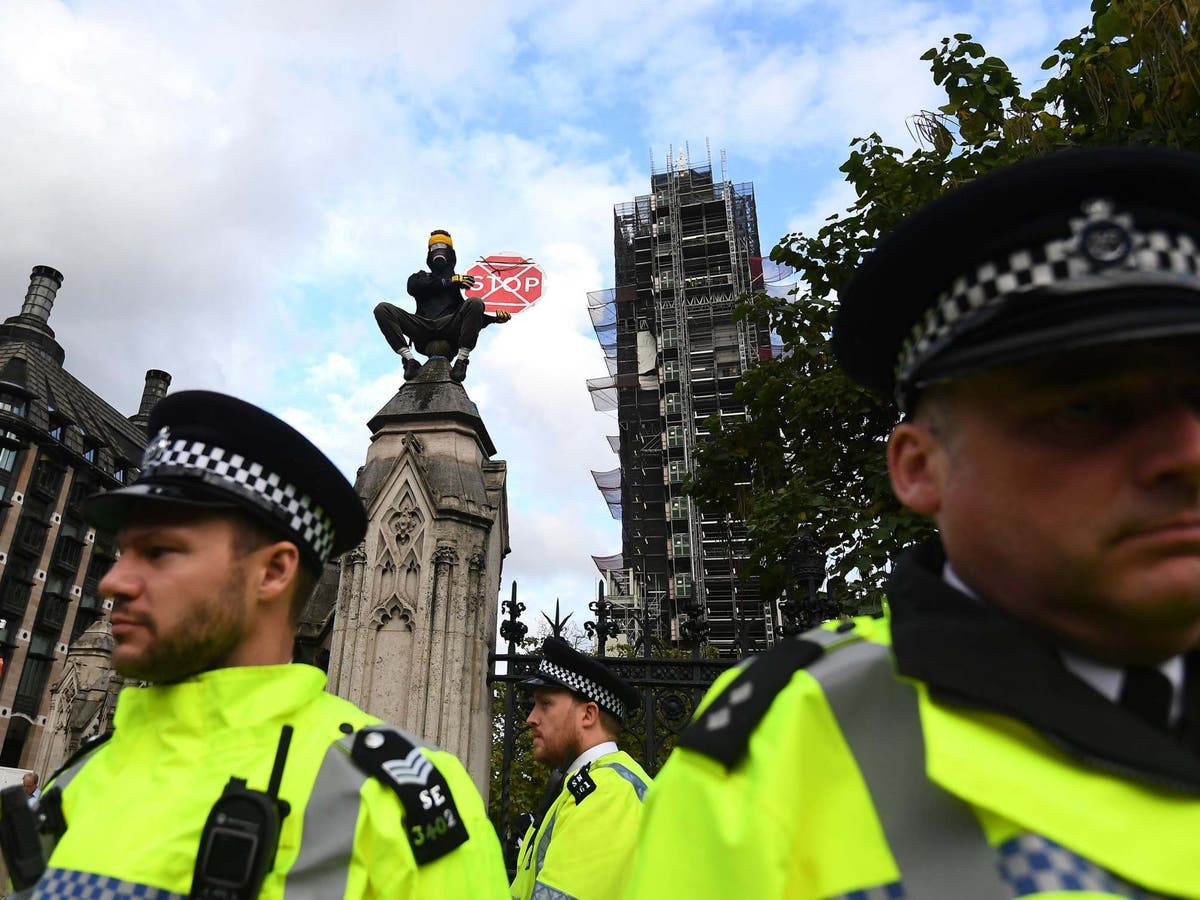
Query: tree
x,y
808,461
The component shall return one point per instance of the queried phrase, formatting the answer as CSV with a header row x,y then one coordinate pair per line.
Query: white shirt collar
x,y
1102,678
591,754
1107,679
951,578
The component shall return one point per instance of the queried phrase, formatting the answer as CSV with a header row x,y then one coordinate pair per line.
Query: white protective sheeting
x,y
647,361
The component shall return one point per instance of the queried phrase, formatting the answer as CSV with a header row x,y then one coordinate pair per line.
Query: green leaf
x,y
1111,24
1050,61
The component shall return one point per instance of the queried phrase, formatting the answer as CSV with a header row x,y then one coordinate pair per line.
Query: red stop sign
x,y
507,282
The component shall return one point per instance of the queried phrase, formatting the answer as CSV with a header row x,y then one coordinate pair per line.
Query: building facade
x,y
59,442
684,253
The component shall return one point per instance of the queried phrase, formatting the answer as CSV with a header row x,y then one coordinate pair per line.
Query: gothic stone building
x,y
59,442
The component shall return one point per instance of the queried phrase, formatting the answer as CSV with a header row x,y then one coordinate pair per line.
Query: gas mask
x,y
441,257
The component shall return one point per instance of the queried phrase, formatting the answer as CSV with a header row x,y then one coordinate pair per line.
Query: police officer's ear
x,y
589,716
276,566
917,465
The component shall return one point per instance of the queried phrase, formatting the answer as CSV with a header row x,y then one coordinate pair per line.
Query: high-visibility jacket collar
x,y
220,699
591,754
971,653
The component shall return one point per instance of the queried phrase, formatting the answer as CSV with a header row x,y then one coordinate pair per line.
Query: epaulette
x,y
85,748
723,730
432,821
581,784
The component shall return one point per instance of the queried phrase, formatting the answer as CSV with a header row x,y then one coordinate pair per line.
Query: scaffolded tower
x,y
683,255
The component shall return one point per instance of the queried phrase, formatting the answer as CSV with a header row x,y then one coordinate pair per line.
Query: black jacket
x,y
435,295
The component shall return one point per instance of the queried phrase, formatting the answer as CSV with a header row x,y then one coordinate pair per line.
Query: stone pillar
x,y
82,701
416,602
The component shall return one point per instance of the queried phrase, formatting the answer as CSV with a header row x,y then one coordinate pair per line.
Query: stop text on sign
x,y
506,282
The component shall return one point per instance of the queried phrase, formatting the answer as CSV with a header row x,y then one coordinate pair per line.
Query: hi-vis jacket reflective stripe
x,y
136,805
854,783
584,847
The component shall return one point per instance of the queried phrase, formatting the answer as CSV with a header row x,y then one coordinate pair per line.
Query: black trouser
x,y
460,328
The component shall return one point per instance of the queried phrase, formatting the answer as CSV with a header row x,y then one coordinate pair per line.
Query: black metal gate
x,y
671,687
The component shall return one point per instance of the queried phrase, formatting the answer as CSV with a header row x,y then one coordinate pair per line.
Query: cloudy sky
x,y
230,187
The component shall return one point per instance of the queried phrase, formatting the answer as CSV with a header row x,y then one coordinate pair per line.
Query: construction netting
x,y
764,270
608,563
604,393
609,484
602,307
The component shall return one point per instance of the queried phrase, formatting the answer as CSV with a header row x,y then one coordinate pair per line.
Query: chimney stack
x,y
30,327
157,382
44,283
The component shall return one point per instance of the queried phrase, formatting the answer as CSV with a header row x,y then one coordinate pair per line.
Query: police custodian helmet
x,y
213,451
1073,250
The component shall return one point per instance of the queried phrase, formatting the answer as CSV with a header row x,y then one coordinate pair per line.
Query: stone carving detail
x,y
394,609
410,577
400,541
398,581
358,555
70,691
476,561
445,555
405,523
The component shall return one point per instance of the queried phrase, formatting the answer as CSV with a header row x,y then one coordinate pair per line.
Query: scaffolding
x,y
683,254
628,595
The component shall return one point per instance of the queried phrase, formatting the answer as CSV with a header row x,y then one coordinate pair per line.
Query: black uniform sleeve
x,y
422,285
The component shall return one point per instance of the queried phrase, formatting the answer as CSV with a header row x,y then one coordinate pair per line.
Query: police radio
x,y
19,840
238,844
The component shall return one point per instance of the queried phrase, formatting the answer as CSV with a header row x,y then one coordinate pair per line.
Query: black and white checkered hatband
x,y
167,456
1104,249
601,695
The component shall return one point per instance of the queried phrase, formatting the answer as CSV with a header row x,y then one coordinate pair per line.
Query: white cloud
x,y
334,369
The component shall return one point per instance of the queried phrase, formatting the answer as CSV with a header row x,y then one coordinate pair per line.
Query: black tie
x,y
1146,692
549,795
1189,728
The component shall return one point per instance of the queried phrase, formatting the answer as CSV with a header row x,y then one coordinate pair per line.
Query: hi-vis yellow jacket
x,y
941,755
136,805
583,847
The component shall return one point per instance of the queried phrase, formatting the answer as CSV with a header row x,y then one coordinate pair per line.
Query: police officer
x,y
443,314
1026,720
581,847
243,770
